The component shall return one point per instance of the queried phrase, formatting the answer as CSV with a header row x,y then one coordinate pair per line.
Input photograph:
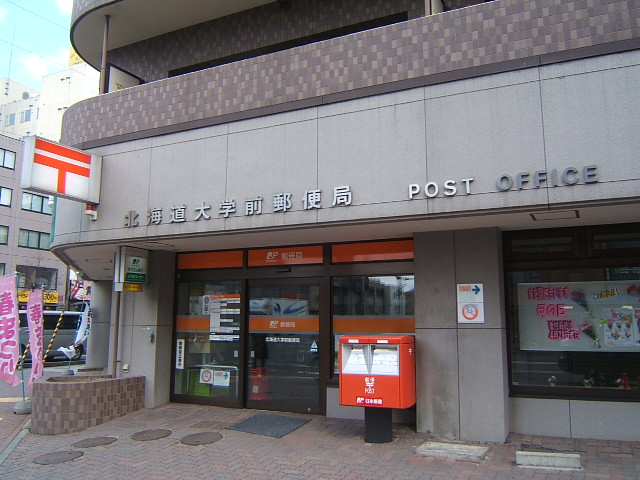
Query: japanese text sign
x,y
9,330
35,320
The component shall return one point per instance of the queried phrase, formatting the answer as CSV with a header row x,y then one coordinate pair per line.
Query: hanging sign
x,y
131,268
54,169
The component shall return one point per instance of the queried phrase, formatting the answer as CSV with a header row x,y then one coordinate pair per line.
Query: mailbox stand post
x,y
377,425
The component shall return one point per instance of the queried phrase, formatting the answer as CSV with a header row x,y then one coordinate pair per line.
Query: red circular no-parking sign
x,y
470,311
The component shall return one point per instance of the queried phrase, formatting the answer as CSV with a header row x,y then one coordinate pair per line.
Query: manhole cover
x,y
57,457
94,442
203,438
151,434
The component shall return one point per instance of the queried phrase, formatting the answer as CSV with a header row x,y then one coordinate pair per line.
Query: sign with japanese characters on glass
x,y
224,316
580,316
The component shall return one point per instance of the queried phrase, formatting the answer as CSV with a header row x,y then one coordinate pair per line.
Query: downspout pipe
x,y
116,337
103,65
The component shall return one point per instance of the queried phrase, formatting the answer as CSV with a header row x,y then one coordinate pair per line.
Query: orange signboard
x,y
226,259
372,251
192,323
284,324
286,256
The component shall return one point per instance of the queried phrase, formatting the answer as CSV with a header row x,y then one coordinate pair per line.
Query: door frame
x,y
323,345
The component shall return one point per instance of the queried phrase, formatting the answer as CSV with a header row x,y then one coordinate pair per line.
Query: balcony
x,y
482,39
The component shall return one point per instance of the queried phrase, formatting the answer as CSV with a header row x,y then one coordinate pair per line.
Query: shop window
x,y
527,246
207,357
375,305
33,239
30,277
614,244
574,325
7,159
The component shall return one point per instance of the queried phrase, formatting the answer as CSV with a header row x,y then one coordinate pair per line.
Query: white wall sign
x,y
470,299
180,354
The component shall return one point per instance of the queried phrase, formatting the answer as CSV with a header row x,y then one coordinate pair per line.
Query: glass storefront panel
x,y
376,305
575,327
208,355
284,327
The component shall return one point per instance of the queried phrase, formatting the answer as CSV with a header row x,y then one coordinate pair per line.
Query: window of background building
x,y
10,120
3,267
7,159
574,324
5,196
33,239
31,277
372,305
4,235
36,203
25,116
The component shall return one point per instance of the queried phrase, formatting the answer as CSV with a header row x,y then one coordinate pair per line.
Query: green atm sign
x,y
135,269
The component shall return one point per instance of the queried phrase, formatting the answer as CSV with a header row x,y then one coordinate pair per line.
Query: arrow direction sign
x,y
470,299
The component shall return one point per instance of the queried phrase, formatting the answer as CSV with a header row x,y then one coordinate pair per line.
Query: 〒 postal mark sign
x,y
61,171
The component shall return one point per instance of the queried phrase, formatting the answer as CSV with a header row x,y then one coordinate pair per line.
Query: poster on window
x,y
580,316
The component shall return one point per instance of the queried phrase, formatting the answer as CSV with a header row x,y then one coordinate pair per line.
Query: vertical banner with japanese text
x,y
35,320
9,330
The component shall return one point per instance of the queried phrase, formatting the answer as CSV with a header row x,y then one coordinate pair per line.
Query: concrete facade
x,y
449,140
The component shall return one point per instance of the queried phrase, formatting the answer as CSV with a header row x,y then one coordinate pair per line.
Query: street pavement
x,y
322,449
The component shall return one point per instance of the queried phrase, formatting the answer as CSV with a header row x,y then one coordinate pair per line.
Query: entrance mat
x,y
268,424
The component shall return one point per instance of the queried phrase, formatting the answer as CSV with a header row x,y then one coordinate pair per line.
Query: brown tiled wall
x,y
70,406
260,27
491,37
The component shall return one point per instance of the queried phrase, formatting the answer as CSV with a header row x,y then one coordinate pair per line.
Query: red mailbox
x,y
378,371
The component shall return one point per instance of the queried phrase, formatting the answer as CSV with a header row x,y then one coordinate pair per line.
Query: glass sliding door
x,y
208,347
283,370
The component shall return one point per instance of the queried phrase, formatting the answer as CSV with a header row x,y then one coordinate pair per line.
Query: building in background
x,y
279,174
25,232
18,109
26,217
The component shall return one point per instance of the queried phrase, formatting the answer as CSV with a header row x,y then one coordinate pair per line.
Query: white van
x,y
65,337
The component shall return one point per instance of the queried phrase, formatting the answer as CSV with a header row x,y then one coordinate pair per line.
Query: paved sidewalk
x,y
322,449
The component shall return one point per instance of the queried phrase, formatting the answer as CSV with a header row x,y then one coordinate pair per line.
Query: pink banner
x,y
34,316
9,330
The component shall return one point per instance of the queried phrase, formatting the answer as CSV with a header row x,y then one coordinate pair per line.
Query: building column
x,y
98,341
146,328
462,372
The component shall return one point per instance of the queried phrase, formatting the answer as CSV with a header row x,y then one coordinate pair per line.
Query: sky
x,y
34,39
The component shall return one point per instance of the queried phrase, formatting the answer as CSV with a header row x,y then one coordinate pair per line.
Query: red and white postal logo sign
x,y
57,170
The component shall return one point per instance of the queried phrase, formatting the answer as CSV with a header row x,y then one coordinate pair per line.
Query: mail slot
x,y
378,371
